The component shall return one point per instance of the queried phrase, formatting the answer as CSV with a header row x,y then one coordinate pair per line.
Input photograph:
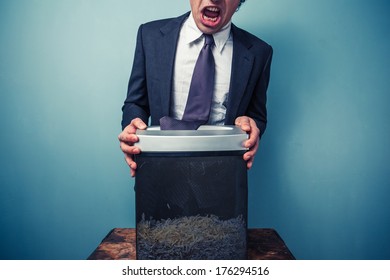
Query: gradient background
x,y
321,178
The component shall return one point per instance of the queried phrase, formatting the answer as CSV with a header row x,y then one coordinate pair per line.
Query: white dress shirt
x,y
189,45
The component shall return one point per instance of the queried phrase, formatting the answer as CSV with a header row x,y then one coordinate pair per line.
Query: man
x,y
165,57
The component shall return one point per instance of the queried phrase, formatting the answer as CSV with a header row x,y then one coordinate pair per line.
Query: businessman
x,y
166,59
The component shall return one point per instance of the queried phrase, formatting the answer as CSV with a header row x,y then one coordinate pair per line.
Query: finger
x,y
252,141
130,161
249,164
132,164
129,138
138,123
249,157
129,149
128,133
244,123
253,138
132,172
250,154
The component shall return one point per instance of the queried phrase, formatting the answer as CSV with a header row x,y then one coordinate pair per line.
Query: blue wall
x,y
321,179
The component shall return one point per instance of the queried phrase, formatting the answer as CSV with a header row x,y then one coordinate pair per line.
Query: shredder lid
x,y
206,138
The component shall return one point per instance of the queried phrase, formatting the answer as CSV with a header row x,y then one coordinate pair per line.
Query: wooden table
x,y
263,244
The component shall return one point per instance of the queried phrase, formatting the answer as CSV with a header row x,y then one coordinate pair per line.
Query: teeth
x,y
209,18
213,9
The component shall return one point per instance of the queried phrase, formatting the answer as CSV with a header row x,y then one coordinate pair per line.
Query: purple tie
x,y
198,105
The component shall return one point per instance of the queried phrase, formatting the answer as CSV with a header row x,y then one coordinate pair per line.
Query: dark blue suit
x,y
150,84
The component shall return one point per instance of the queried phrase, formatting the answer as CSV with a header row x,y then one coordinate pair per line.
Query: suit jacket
x,y
150,84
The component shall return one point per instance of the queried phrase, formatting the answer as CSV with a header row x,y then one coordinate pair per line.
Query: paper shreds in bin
x,y
192,237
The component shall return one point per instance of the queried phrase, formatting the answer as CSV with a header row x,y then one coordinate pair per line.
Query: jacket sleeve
x,y
257,108
136,104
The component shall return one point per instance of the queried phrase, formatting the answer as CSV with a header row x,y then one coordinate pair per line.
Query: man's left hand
x,y
248,125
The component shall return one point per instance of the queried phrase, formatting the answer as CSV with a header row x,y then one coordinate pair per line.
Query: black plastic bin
x,y
191,194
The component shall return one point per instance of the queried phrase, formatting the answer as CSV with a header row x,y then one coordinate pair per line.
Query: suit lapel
x,y
168,44
242,65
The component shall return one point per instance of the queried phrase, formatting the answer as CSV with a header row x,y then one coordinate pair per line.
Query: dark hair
x,y
241,2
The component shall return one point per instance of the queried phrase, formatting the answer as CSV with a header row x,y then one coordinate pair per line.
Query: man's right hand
x,y
127,138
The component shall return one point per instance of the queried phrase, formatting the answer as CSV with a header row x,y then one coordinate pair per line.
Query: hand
x,y
248,125
127,138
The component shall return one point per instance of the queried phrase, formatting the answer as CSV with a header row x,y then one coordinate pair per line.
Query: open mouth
x,y
211,14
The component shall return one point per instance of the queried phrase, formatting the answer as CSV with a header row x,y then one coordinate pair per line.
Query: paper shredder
x,y
191,194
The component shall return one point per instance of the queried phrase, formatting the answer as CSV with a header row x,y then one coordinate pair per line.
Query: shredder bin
x,y
191,194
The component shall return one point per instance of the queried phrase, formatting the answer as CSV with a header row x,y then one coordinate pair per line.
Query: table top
x,y
263,244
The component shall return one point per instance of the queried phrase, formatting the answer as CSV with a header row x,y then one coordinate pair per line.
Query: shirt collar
x,y
192,33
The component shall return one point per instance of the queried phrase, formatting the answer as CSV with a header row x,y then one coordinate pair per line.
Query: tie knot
x,y
209,40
